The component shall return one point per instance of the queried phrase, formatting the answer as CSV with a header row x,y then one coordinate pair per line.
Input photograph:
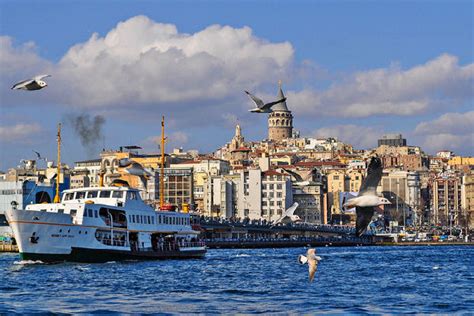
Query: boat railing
x,y
171,246
192,244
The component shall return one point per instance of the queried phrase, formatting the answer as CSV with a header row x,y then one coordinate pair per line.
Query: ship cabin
x,y
120,208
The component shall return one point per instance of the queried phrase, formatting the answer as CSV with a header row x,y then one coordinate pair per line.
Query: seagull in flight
x,y
36,83
300,181
262,107
39,156
312,260
289,216
367,199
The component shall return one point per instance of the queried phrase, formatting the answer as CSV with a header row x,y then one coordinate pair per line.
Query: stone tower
x,y
280,121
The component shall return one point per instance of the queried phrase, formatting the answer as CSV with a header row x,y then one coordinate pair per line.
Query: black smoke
x,y
89,130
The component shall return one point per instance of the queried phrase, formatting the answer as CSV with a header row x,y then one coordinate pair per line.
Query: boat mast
x,y
58,172
162,173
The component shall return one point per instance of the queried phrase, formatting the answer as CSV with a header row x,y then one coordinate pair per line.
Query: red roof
x,y
272,172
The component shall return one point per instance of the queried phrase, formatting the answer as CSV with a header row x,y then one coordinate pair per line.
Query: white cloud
x,y
20,132
391,91
144,62
361,137
452,131
142,69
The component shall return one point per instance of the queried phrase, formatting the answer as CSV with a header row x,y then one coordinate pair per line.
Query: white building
x,y
86,168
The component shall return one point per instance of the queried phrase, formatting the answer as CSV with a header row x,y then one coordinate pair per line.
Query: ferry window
x,y
153,220
131,195
117,194
73,212
80,195
95,214
130,218
60,211
89,213
92,194
68,196
104,194
133,218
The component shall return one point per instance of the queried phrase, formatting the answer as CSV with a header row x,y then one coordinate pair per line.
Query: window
x,y
279,194
153,220
89,213
279,186
92,194
60,211
95,214
104,194
73,212
80,195
131,195
117,194
69,196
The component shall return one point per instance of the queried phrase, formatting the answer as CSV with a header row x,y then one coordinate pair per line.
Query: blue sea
x,y
356,280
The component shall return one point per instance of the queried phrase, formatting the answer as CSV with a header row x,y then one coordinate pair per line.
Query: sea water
x,y
354,280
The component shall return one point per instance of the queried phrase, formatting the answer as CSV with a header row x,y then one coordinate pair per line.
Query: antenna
x,y
162,173
56,197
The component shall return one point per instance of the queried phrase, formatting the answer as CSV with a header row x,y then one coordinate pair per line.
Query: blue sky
x,y
351,69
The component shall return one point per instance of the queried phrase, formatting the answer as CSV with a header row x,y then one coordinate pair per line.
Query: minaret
x,y
238,139
280,121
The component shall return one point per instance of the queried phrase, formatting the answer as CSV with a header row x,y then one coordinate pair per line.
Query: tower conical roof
x,y
282,105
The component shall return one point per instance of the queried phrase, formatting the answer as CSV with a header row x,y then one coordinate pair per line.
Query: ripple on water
x,y
268,281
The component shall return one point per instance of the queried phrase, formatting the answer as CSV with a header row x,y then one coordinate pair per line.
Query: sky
x,y
354,70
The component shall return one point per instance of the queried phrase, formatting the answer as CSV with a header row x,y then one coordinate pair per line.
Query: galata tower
x,y
280,121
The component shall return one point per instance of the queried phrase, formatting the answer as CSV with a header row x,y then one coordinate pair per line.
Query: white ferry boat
x,y
102,224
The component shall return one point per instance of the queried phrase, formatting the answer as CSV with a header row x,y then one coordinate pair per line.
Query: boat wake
x,y
28,262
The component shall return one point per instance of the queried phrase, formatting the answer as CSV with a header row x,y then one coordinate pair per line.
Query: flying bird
x,y
312,260
31,84
300,181
289,216
39,156
367,199
262,107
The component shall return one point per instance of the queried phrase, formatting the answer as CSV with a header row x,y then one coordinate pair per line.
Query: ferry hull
x,y
52,237
86,255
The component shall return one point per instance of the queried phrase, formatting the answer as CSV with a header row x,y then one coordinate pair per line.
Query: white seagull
x,y
31,84
312,260
368,198
262,107
289,216
299,179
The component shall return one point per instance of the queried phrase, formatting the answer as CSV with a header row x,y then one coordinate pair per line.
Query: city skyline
x,y
353,71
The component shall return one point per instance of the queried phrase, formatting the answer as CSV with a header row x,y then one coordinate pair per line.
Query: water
x,y
270,281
